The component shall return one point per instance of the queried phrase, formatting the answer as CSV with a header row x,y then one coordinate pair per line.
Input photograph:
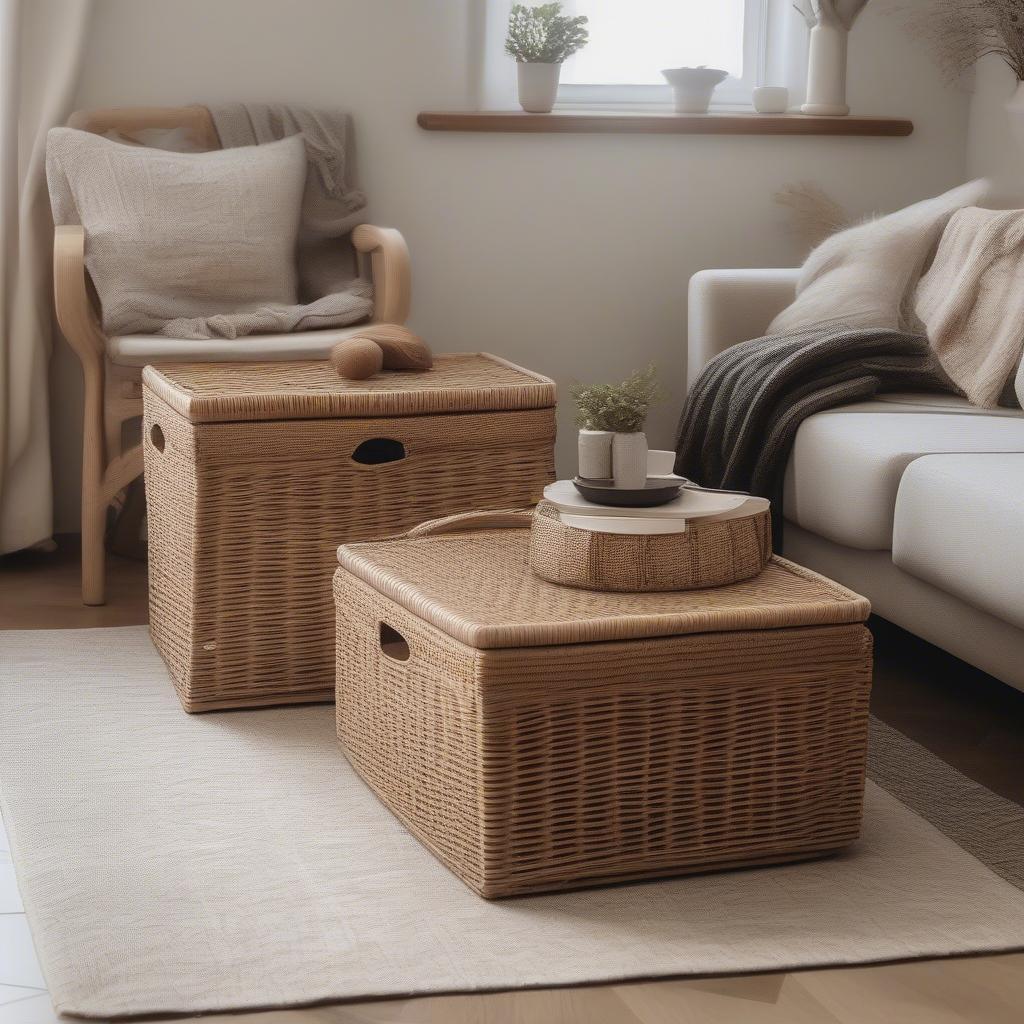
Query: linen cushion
x,y
960,526
847,463
864,274
174,236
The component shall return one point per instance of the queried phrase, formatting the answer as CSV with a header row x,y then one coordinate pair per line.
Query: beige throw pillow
x,y
172,235
865,275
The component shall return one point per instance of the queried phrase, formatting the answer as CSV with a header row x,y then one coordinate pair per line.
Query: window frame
x,y
733,93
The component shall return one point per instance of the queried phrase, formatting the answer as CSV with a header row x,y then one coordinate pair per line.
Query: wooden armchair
x,y
112,367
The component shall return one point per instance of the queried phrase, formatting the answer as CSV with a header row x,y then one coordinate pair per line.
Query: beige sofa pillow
x,y
865,275
171,235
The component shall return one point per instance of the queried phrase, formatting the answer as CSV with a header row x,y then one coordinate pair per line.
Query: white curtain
x,y
41,43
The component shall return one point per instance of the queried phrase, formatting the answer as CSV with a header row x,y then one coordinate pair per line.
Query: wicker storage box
x,y
708,553
255,474
538,737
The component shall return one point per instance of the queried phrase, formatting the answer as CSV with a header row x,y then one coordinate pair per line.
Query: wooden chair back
x,y
129,121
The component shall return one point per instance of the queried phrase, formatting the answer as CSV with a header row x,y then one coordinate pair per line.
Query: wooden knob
x,y
357,358
402,349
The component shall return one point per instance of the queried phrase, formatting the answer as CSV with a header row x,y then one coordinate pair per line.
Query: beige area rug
x,y
233,860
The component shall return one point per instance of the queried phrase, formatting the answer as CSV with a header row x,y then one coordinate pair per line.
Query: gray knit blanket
x,y
743,411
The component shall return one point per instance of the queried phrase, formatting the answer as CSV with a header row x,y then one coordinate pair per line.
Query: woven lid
x,y
463,382
478,588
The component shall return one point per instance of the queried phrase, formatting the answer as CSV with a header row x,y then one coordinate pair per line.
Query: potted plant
x,y
611,419
692,87
540,39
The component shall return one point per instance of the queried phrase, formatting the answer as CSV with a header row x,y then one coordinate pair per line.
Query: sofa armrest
x,y
389,265
729,306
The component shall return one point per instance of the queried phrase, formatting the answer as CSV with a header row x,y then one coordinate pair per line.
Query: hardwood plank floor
x,y
970,720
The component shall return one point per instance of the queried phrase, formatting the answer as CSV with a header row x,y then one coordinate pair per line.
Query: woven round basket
x,y
707,554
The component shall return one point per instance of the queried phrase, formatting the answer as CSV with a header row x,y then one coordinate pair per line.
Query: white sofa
x,y
914,500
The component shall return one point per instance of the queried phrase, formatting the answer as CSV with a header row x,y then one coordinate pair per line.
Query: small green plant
x,y
542,35
618,407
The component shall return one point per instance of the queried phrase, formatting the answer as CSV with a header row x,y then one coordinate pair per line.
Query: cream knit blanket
x,y
971,301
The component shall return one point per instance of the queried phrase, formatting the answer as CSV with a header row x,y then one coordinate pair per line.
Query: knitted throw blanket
x,y
742,413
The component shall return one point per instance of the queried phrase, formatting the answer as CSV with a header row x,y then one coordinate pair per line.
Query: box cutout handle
x,y
156,435
378,450
393,644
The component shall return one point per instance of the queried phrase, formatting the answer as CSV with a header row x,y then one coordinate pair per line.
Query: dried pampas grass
x,y
815,214
961,32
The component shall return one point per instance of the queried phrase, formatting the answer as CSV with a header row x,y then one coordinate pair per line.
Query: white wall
x,y
569,254
991,148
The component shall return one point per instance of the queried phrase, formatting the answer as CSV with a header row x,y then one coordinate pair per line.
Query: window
x,y
632,40
760,42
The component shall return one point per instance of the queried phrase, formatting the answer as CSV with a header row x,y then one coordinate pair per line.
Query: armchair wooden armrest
x,y
75,312
389,265
106,468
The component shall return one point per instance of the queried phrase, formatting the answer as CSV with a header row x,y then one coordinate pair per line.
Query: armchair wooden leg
x,y
94,503
94,528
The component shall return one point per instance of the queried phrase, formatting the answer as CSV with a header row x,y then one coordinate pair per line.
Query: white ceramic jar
x,y
629,460
595,454
771,99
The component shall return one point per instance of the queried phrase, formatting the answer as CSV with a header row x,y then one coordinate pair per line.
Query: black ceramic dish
x,y
604,492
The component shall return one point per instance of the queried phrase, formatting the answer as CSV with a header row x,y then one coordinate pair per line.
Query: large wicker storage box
x,y
538,737
255,474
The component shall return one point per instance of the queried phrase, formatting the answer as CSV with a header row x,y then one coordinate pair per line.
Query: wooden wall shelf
x,y
660,124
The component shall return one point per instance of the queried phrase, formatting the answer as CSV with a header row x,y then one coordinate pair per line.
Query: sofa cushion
x,y
847,463
959,525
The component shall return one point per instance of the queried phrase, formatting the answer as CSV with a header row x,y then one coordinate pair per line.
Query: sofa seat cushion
x,y
847,463
142,349
960,526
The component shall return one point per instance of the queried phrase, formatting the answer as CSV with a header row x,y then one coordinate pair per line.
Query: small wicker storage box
x,y
708,553
256,472
538,737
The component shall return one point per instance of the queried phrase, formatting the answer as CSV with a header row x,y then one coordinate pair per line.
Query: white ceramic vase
x,y
826,71
629,460
1015,119
538,86
595,453
692,87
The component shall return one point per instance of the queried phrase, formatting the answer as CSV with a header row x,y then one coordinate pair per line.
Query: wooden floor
x,y
967,718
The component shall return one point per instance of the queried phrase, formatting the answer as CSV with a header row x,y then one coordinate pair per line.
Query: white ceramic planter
x,y
692,87
538,86
595,451
826,71
629,460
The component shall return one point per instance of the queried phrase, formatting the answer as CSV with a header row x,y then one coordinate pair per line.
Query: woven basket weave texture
x,y
707,554
537,737
245,514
